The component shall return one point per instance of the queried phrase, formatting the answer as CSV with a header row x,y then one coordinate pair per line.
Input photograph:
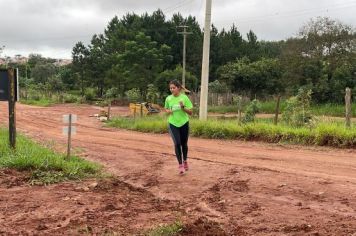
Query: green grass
x,y
270,106
44,165
44,102
324,134
151,124
332,110
166,230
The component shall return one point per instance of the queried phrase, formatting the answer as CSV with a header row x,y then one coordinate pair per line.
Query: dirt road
x,y
232,187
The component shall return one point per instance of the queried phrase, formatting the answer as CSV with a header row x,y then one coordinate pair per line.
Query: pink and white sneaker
x,y
181,169
185,164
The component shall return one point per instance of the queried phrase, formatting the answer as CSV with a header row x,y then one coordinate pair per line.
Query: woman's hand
x,y
181,105
188,111
169,111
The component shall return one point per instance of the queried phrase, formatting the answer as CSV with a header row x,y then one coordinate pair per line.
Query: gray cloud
x,y
52,27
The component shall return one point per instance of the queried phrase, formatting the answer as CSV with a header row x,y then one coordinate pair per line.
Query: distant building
x,y
18,59
63,62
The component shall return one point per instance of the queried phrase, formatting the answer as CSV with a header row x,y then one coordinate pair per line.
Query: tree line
x,y
142,53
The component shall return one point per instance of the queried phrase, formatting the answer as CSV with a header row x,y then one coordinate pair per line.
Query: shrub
x,y
89,94
70,98
297,112
133,95
251,111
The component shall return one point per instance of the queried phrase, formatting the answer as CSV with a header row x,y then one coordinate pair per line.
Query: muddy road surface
x,y
232,187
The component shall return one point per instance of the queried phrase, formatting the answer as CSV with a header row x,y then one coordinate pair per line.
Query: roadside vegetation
x,y
166,230
297,125
323,134
268,107
43,102
44,165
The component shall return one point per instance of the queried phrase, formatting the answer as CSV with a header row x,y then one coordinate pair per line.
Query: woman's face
x,y
174,89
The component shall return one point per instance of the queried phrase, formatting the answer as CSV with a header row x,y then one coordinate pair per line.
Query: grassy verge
x,y
324,134
270,106
42,102
44,165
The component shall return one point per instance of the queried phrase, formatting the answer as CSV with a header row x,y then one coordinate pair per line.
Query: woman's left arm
x,y
186,110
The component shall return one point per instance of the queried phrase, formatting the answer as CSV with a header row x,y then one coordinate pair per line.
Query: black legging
x,y
180,139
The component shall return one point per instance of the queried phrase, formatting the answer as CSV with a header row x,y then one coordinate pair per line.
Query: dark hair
x,y
176,83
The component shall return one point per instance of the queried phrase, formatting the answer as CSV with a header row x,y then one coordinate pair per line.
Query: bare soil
x,y
232,187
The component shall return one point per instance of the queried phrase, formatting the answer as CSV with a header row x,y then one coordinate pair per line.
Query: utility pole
x,y
184,33
203,109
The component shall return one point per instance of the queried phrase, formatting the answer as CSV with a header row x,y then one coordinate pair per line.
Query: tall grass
x,y
330,109
324,134
45,166
269,107
43,102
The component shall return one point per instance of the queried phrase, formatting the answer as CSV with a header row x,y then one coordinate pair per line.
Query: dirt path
x,y
248,188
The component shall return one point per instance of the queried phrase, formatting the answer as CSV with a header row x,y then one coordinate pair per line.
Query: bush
x,y
297,112
112,93
70,98
251,111
152,93
133,95
89,94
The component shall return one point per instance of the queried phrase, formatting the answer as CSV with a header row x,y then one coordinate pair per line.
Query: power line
x,y
175,5
182,4
296,13
335,7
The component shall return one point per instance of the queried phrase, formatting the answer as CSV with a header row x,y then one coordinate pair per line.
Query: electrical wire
x,y
297,13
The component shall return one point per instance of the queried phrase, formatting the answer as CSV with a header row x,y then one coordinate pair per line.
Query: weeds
x,y
166,230
44,165
323,134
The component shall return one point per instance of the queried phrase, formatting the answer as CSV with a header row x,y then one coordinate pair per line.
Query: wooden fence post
x,y
348,107
239,108
12,108
109,109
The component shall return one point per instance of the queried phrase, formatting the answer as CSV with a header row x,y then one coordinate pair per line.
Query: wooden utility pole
x,y
203,109
12,107
348,107
184,33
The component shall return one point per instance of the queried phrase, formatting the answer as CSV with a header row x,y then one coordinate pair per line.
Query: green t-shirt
x,y
178,117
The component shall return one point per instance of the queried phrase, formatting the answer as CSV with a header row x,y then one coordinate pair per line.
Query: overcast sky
x,y
52,27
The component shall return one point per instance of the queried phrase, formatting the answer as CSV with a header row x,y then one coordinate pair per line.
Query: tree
x,y
42,72
98,63
55,84
163,79
80,56
322,46
142,61
252,78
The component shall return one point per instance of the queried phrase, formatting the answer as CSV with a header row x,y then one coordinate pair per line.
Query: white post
x,y
203,109
69,135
